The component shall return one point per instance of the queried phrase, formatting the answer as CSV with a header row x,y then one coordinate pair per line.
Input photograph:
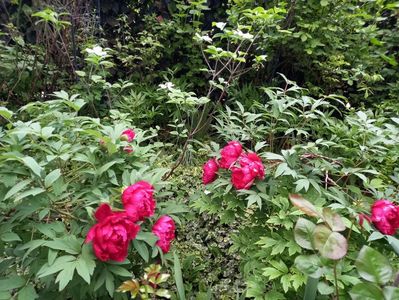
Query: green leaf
x,y
11,283
178,277
304,205
141,249
88,257
85,266
302,184
394,242
16,188
303,233
333,220
10,237
28,292
51,256
274,156
376,235
271,273
32,245
109,283
324,2
32,164
120,271
366,291
309,265
68,244
5,113
281,169
254,199
391,293
373,266
147,237
66,275
331,244
31,192
57,266
324,288
311,288
80,73
51,177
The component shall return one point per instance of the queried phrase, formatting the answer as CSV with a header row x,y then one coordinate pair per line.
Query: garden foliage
x,y
220,149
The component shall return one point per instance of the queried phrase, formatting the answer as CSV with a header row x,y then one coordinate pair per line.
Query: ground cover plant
x,y
218,149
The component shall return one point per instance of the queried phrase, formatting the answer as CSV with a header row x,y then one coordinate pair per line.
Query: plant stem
x,y
336,281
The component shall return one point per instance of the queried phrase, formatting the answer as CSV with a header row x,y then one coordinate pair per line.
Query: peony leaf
x,y
141,249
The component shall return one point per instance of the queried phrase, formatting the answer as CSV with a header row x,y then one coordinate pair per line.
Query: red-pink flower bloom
x,y
253,161
209,171
112,234
164,229
128,149
385,216
230,154
128,135
242,178
138,200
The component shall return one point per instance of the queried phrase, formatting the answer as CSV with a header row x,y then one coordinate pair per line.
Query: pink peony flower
x,y
128,135
209,171
138,200
242,178
385,216
253,161
112,234
164,229
230,154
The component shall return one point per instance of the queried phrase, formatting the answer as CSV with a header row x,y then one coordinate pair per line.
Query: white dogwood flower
x,y
167,86
97,50
220,25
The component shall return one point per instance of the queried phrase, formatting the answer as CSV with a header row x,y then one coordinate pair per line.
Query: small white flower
x,y
348,105
97,50
167,86
243,35
206,38
206,192
220,25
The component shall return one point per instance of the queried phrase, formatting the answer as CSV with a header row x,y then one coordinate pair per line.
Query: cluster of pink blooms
x,y
114,230
384,216
128,135
245,167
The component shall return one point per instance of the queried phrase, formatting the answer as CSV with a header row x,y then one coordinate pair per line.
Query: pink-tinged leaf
x,y
333,220
303,233
332,245
304,205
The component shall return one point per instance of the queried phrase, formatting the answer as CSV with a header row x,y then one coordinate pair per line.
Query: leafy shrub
x,y
335,163
56,169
